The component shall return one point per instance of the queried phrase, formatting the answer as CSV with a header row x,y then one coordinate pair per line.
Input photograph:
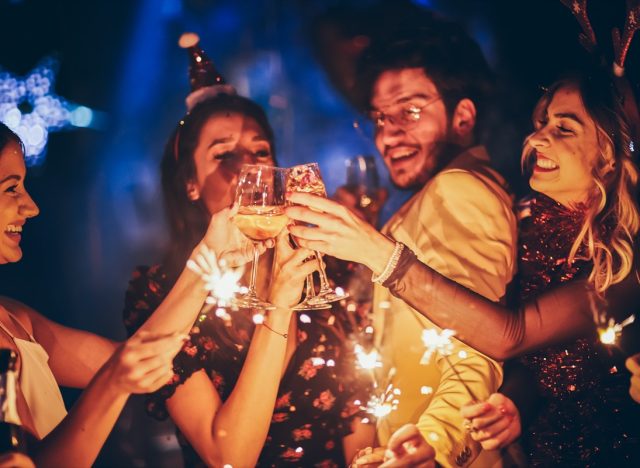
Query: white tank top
x,y
37,383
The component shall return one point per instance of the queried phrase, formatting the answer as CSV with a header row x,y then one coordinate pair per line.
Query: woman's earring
x,y
192,192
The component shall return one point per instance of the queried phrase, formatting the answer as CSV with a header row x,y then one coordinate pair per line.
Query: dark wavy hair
x,y
448,56
187,219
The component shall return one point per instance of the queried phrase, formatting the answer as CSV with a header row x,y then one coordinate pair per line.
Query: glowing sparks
x,y
436,343
610,333
425,390
364,360
382,405
221,281
440,342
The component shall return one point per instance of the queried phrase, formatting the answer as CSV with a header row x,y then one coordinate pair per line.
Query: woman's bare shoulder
x,y
19,310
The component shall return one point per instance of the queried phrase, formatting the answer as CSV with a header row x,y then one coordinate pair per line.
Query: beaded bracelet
x,y
391,264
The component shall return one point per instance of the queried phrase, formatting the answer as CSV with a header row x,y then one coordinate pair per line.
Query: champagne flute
x,y
260,196
307,178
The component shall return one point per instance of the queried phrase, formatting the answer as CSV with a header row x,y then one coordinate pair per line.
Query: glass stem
x,y
324,281
310,291
254,272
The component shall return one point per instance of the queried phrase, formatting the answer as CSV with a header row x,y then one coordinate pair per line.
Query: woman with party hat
x,y
244,394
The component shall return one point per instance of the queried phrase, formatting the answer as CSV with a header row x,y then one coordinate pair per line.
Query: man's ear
x,y
193,192
463,121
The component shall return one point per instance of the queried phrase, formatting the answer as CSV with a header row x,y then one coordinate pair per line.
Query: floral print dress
x,y
320,394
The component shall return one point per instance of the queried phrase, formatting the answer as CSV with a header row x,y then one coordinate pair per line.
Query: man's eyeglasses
x,y
405,114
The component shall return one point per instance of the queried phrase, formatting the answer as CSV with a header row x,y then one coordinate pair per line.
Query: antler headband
x,y
621,43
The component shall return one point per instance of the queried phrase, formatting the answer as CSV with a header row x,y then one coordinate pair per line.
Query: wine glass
x,y
363,182
307,178
260,196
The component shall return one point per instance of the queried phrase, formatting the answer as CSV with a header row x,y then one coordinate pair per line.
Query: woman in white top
x,y
51,354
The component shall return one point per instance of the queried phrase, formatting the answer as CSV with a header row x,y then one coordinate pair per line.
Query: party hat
x,y
204,78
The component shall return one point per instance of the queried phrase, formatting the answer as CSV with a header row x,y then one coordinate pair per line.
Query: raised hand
x,y
143,363
338,231
290,271
494,423
228,243
633,364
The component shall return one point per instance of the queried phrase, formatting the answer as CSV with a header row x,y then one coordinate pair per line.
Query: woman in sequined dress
x,y
578,263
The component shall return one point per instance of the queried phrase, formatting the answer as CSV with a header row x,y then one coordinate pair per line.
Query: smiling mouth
x,y
545,165
13,232
402,155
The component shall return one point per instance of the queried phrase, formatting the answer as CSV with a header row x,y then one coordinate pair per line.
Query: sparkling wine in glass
x,y
307,178
260,196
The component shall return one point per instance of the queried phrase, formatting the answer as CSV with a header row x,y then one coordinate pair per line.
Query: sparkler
x,y
220,280
367,361
441,343
436,343
383,404
610,333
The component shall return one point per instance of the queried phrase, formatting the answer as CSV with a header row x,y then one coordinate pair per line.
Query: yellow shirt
x,y
462,225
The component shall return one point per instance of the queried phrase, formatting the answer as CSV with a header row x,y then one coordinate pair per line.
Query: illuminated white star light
x,y
436,343
29,107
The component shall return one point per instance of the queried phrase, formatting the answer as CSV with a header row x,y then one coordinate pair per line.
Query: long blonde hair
x,y
612,218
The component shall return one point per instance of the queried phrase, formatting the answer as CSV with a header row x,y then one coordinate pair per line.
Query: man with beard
x,y
427,101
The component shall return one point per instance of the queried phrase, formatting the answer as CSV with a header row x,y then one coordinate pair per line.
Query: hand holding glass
x,y
307,178
260,197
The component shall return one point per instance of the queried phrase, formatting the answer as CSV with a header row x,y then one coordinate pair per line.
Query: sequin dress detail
x,y
587,418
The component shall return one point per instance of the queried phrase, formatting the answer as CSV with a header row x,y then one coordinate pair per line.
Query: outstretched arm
x,y
140,365
234,431
556,316
497,331
88,351
187,294
74,355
